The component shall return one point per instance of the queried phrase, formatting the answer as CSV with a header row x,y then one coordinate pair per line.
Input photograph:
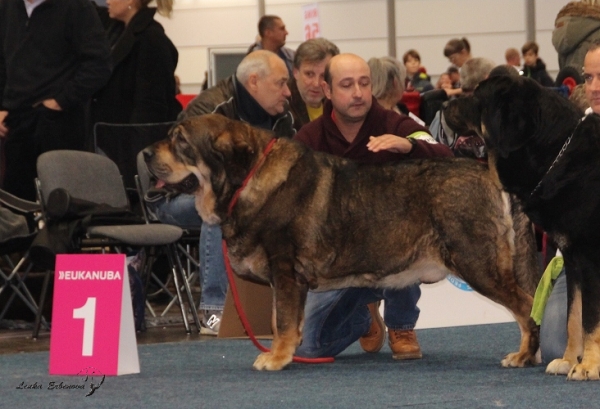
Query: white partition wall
x,y
360,26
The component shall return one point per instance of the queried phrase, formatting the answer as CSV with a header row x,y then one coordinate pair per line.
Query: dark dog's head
x,y
209,156
504,110
509,112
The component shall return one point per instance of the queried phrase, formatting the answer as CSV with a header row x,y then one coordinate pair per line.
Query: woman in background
x,y
142,86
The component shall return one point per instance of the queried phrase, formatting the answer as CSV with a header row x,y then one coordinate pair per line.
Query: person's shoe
x,y
404,344
373,340
211,322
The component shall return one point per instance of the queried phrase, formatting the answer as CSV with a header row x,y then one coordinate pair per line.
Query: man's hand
x,y
388,142
52,104
3,128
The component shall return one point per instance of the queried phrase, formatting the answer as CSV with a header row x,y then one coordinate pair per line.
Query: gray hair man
x,y
257,94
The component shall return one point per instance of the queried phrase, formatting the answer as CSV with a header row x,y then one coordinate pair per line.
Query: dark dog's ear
x,y
510,112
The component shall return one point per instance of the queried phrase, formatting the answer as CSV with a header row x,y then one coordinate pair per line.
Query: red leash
x,y
232,286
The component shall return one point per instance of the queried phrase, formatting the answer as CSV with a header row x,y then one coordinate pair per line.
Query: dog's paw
x,y
270,362
584,372
559,367
518,360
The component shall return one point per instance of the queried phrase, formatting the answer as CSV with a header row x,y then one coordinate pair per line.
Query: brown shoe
x,y
373,340
404,344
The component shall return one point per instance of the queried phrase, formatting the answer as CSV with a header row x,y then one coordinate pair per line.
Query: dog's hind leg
x,y
492,275
289,298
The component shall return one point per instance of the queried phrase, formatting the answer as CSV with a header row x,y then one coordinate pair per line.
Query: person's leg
x,y
400,307
20,155
400,316
553,331
179,210
333,320
212,267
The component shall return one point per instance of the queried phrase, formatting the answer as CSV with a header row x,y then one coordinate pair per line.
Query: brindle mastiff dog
x,y
549,157
310,221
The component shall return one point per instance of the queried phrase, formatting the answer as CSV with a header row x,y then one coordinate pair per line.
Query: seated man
x,y
256,94
355,126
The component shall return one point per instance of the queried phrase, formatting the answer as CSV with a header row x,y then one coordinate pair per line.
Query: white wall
x,y
360,26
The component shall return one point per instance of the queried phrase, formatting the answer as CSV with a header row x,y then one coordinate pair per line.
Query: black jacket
x,y
297,105
538,73
229,98
59,52
142,86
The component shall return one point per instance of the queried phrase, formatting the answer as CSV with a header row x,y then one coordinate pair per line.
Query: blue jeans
x,y
553,331
333,320
181,211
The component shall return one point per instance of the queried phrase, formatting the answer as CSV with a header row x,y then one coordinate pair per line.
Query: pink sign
x,y
92,316
312,25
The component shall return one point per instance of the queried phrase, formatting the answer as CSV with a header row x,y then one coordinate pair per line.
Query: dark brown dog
x,y
549,157
307,220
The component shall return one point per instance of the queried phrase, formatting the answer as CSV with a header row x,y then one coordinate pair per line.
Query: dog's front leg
x,y
574,349
289,298
588,367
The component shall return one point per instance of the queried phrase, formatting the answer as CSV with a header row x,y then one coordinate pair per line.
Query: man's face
x,y
350,91
277,33
591,76
271,91
308,79
530,58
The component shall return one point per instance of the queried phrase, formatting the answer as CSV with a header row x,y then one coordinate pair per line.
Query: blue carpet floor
x,y
460,369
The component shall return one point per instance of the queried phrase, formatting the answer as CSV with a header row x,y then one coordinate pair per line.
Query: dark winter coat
x,y
538,73
142,86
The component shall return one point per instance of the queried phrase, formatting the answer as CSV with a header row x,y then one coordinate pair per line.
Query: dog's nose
x,y
148,154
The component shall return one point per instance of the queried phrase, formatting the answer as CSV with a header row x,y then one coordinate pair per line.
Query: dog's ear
x,y
510,112
180,144
237,148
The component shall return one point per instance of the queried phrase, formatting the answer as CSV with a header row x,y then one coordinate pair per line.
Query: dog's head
x,y
506,111
209,156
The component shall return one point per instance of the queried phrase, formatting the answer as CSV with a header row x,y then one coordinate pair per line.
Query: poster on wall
x,y
312,26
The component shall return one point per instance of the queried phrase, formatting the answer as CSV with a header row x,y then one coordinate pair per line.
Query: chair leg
x,y
174,267
38,317
188,290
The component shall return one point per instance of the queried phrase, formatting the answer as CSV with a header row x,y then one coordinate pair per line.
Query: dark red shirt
x,y
323,135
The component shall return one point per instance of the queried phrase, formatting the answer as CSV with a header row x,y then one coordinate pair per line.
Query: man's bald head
x,y
342,60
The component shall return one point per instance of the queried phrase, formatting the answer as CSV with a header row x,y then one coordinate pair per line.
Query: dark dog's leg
x,y
574,349
289,298
588,366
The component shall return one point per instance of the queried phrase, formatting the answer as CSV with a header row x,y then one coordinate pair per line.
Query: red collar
x,y
238,192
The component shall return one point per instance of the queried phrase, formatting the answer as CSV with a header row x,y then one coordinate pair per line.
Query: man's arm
x,y
91,47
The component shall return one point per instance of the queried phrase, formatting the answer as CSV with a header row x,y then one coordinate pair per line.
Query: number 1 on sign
x,y
88,313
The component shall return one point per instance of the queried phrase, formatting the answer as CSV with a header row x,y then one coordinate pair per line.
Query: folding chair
x,y
96,178
18,219
189,240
